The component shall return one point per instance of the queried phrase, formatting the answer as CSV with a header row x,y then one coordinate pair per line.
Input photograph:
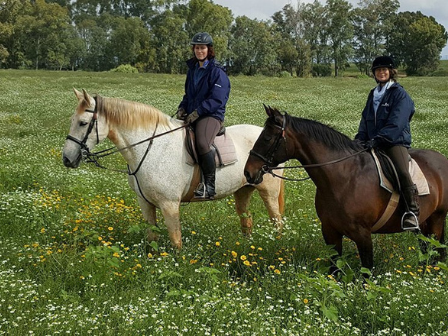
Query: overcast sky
x,y
264,9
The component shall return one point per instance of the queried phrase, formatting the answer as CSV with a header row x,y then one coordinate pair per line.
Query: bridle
x,y
93,123
269,156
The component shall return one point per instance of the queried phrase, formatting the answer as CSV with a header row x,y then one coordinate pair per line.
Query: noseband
x,y
269,156
93,123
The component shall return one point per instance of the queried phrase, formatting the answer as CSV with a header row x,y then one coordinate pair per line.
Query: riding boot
x,y
206,189
409,220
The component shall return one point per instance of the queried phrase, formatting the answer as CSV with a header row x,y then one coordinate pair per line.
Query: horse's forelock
x,y
130,114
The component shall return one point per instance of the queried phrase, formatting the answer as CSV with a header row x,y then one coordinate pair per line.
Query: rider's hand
x,y
181,114
192,117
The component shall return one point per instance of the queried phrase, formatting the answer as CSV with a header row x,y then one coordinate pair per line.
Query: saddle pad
x,y
414,170
225,152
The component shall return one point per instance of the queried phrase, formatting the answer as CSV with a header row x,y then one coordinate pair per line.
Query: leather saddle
x,y
223,145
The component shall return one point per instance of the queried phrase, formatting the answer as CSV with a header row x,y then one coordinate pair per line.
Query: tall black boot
x,y
206,190
410,217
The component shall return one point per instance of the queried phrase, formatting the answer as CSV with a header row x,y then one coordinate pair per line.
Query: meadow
x,y
73,255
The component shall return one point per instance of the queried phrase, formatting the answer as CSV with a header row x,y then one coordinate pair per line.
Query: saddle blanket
x,y
224,148
414,170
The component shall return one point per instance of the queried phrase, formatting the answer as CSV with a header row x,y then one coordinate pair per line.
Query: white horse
x,y
158,170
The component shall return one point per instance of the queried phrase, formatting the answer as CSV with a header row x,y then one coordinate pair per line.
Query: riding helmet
x,y
383,62
202,38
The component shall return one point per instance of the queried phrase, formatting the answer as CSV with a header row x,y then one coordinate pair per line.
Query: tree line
x,y
310,39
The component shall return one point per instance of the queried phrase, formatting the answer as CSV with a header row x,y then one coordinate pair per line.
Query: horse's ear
x,y
78,94
268,110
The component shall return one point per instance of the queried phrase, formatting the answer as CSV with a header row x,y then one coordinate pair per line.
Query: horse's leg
x,y
365,248
242,201
170,212
333,238
273,197
149,214
435,227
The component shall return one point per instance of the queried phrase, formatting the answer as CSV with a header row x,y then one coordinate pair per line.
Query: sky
x,y
264,9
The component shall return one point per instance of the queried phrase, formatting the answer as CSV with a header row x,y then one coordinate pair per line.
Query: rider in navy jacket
x,y
390,125
385,125
203,106
210,94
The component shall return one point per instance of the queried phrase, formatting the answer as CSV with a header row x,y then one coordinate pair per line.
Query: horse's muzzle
x,y
257,179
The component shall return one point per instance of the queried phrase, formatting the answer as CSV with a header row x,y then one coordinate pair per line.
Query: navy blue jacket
x,y
390,125
209,97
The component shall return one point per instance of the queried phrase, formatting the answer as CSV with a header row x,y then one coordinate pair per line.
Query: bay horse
x,y
161,176
349,199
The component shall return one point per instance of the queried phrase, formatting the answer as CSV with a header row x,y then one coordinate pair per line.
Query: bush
x,y
283,74
321,70
126,68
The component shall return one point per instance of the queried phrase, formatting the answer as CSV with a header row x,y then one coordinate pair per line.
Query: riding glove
x,y
181,114
192,117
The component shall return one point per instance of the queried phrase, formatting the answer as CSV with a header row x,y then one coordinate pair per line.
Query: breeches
x,y
400,158
205,130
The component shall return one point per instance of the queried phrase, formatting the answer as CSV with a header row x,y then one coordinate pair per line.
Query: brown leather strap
x,y
391,206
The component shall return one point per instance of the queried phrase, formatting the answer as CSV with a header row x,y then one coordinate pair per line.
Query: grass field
x,y
73,256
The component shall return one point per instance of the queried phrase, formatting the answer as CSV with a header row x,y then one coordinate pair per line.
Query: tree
x,y
416,42
314,22
290,25
252,46
340,33
169,41
372,22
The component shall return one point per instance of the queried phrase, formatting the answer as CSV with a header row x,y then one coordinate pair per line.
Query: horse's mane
x,y
324,134
130,114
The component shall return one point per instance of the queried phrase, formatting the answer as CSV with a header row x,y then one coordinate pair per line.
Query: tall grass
x,y
72,242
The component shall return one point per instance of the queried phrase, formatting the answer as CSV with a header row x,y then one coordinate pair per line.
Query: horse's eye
x,y
83,123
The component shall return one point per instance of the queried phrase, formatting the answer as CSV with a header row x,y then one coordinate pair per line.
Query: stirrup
x,y
201,192
410,228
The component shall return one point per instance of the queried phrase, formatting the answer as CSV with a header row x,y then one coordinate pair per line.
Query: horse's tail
x,y
281,197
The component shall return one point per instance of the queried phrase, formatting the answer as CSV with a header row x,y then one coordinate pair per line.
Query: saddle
x,y
389,181
388,177
223,145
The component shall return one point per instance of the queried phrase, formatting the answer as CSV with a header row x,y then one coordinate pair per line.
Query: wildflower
x,y
246,262
116,255
218,244
277,271
234,254
305,301
42,230
193,261
193,232
110,228
243,257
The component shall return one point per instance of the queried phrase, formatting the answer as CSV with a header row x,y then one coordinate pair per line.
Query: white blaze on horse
x,y
153,145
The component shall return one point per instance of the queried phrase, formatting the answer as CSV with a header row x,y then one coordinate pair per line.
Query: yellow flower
x,y
193,232
246,262
277,271
110,228
100,238
116,255
149,255
243,257
42,230
193,261
252,247
305,301
218,244
234,254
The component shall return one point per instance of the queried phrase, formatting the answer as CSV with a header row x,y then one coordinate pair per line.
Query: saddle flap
x,y
223,145
414,170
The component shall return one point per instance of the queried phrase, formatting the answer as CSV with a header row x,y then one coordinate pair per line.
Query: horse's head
x,y
86,130
270,148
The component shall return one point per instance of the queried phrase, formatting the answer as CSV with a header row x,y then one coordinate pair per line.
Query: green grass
x,y
72,242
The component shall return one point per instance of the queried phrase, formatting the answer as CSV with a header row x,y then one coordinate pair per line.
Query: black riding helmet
x,y
383,62
202,38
